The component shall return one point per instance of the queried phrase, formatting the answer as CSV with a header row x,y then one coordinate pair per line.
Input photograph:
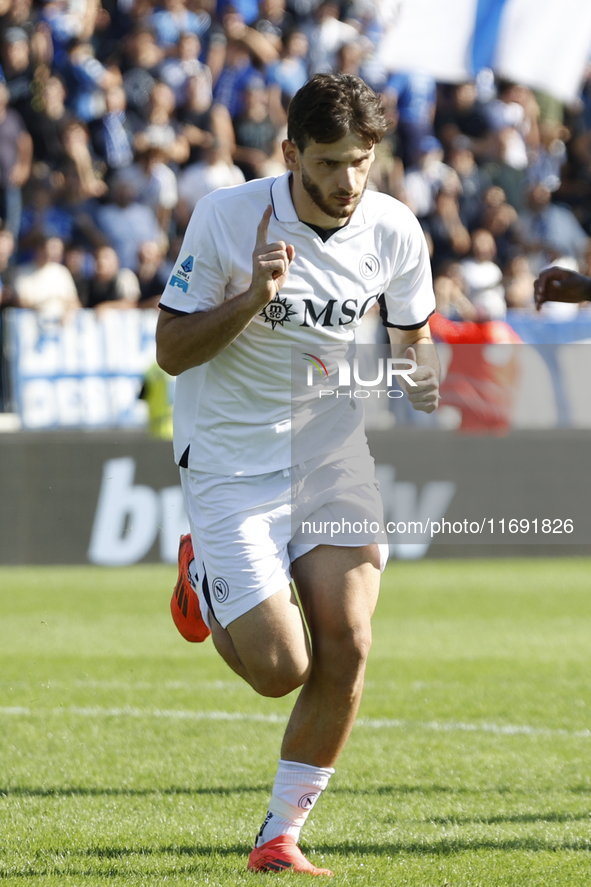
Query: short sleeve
x,y
408,300
200,274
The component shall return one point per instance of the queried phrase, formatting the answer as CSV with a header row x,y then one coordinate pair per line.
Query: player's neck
x,y
308,212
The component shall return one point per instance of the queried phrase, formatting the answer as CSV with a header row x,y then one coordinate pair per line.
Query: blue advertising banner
x,y
86,373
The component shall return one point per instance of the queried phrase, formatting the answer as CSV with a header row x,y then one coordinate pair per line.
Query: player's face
x,y
329,180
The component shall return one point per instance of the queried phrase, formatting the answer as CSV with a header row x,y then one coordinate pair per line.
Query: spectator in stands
x,y
141,66
73,201
162,130
449,236
237,73
501,219
42,217
126,223
326,34
16,154
48,122
77,147
114,133
462,113
151,274
216,171
423,181
155,184
261,45
350,57
274,21
474,181
547,159
80,264
484,278
451,293
143,74
46,285
203,122
178,69
287,75
7,246
86,80
173,19
549,231
21,14
258,150
111,286
415,97
67,23
519,284
18,70
513,119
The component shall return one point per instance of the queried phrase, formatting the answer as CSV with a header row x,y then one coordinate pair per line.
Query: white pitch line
x,y
370,723
458,726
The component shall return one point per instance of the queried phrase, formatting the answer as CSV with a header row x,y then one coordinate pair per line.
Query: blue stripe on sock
x,y
486,33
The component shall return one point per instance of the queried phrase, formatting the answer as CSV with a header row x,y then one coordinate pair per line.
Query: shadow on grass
x,y
442,847
508,817
92,792
107,791
205,851
449,846
114,863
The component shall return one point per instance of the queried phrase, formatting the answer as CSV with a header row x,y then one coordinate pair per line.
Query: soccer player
x,y
274,263
561,285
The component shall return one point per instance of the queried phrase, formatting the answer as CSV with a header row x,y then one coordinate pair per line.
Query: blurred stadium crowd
x,y
117,116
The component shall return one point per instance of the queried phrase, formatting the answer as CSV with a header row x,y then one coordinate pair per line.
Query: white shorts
x,y
246,530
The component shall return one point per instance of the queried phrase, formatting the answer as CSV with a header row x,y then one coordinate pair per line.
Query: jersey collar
x,y
284,209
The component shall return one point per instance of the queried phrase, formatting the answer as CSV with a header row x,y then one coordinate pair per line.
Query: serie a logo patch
x,y
182,273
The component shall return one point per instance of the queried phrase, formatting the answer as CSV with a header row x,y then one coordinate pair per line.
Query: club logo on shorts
x,y
220,589
306,802
369,266
277,312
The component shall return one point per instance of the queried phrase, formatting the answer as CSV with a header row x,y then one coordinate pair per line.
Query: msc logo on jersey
x,y
277,312
369,266
220,589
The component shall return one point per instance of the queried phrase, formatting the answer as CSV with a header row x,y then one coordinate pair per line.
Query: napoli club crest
x,y
220,589
369,266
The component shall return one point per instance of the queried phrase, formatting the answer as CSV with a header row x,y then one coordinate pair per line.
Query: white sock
x,y
195,578
297,788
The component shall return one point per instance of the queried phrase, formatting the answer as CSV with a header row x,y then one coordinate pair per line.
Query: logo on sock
x,y
307,801
259,838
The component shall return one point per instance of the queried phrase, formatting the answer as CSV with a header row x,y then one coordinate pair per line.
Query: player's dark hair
x,y
330,106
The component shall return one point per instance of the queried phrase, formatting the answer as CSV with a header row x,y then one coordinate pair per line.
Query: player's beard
x,y
334,211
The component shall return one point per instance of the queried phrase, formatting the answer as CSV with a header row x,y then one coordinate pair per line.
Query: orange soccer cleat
x,y
184,605
280,854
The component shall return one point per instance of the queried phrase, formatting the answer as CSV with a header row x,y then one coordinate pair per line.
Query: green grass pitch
x,y
129,757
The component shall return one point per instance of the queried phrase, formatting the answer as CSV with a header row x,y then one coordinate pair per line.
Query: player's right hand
x,y
561,285
270,263
424,395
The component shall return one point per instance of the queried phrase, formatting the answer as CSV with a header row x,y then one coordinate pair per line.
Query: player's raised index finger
x,y
263,227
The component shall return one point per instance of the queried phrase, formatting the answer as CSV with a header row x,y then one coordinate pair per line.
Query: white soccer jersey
x,y
235,410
